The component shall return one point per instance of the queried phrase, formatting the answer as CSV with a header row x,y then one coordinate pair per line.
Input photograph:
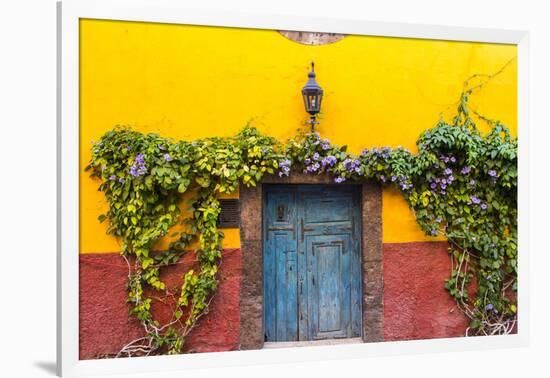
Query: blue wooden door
x,y
312,262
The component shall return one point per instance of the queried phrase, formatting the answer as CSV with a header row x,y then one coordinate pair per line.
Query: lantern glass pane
x,y
305,102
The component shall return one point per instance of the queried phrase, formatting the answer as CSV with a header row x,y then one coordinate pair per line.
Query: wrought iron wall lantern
x,y
313,95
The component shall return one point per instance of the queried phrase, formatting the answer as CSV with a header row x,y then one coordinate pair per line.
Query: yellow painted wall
x,y
188,82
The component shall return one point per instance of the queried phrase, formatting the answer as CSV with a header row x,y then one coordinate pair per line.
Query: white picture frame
x,y
172,11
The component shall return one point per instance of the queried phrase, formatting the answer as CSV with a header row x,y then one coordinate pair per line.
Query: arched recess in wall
x,y
312,38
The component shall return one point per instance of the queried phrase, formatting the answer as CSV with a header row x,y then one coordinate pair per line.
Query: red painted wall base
x,y
105,326
416,305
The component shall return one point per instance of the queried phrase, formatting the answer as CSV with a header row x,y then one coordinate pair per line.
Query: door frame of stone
x,y
251,290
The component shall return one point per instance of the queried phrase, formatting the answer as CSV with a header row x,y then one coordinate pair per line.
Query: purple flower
x,y
433,232
120,180
453,159
443,186
339,180
138,168
167,157
313,167
393,178
489,307
450,178
285,167
307,161
448,171
472,182
329,160
492,173
350,164
465,170
161,147
484,206
433,185
112,177
316,156
325,145
383,178
475,200
438,220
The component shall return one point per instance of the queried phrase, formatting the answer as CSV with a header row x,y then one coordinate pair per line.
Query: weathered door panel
x,y
328,281
280,267
312,271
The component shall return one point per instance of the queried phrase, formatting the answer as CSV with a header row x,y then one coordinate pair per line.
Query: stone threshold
x,y
292,344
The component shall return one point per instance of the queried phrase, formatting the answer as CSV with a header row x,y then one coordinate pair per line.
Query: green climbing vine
x,y
461,184
144,178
